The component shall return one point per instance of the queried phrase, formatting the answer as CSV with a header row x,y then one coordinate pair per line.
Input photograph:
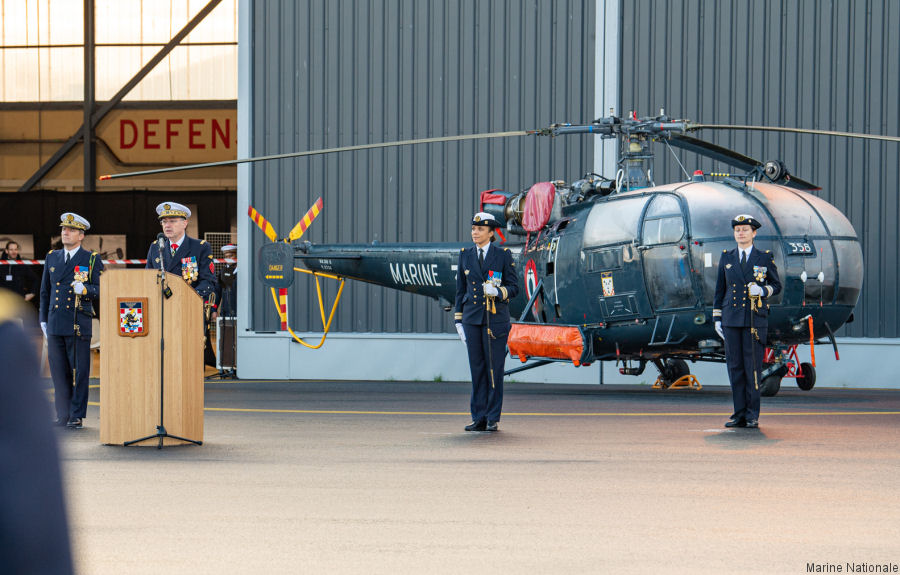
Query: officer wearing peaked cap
x,y
70,289
226,288
746,278
183,255
485,283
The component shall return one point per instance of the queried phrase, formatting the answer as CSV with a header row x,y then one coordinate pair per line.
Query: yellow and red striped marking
x,y
263,223
282,308
306,220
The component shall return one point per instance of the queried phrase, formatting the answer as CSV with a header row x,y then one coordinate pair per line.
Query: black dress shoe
x,y
735,423
491,426
752,423
75,423
60,422
476,426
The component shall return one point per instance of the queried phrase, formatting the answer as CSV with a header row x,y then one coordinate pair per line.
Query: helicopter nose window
x,y
713,207
837,223
795,217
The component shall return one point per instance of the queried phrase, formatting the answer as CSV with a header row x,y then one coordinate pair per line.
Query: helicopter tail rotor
x,y
264,224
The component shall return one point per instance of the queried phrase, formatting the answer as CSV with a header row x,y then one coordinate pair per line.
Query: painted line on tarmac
x,y
528,413
534,414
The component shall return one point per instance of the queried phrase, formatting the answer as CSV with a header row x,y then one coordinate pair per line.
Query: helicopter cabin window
x,y
613,222
663,223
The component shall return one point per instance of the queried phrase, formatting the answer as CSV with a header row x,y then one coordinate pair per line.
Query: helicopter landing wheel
x,y
808,379
670,371
770,385
676,369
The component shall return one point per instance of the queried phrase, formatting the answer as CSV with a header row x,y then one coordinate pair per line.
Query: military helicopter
x,y
621,268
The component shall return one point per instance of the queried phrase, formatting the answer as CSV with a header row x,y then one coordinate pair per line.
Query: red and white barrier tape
x,y
105,262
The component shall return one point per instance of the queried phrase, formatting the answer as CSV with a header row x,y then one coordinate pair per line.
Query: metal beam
x,y
90,164
97,116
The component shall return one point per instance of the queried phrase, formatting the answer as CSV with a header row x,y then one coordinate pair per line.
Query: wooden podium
x,y
129,359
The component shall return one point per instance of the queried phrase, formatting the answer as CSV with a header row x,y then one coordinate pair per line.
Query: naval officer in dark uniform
x,y
745,276
183,255
226,286
485,282
70,288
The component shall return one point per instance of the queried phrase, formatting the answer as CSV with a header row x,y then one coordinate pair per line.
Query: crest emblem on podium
x,y
132,316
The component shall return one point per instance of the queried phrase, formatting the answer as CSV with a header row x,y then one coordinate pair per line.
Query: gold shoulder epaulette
x,y
768,251
50,252
724,251
202,241
462,249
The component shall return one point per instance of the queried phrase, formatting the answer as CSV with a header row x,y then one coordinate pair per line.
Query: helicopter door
x,y
613,276
667,263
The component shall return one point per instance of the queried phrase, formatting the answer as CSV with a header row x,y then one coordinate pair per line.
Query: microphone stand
x,y
165,293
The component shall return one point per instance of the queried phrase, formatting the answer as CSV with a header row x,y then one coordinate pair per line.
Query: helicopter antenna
x,y
674,155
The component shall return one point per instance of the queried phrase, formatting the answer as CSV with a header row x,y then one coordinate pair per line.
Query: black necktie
x,y
480,257
743,258
67,257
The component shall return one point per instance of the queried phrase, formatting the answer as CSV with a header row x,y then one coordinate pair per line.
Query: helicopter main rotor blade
x,y
692,127
732,158
464,137
716,152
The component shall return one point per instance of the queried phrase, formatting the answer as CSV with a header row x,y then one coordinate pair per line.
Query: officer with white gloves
x,y
744,272
485,283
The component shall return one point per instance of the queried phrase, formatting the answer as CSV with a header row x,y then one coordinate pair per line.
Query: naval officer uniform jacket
x,y
66,350
190,253
487,401
731,306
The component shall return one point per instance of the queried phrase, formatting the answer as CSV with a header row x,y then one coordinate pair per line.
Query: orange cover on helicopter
x,y
546,341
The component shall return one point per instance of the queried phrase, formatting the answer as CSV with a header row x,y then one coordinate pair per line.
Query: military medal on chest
x,y
759,274
81,274
189,270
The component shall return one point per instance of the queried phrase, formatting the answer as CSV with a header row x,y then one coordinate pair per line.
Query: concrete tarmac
x,y
315,477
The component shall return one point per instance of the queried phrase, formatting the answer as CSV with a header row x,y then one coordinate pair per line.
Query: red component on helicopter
x,y
489,197
538,205
548,341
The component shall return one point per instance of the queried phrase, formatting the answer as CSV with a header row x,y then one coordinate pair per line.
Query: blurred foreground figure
x,y
34,533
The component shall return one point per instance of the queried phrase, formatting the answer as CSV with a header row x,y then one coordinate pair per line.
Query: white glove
x,y
719,330
489,289
461,332
44,328
755,290
79,288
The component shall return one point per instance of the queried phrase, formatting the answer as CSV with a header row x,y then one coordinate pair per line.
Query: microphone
x,y
161,244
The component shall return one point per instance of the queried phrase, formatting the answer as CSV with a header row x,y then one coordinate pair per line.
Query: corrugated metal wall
x,y
809,64
337,73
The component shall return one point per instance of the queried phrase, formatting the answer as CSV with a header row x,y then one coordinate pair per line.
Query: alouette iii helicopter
x,y
621,268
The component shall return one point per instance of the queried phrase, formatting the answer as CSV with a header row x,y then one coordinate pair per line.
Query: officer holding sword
x,y
485,283
70,288
746,278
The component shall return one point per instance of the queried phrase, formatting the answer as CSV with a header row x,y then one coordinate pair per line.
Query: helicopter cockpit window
x,y
613,222
663,222
713,207
837,223
795,217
